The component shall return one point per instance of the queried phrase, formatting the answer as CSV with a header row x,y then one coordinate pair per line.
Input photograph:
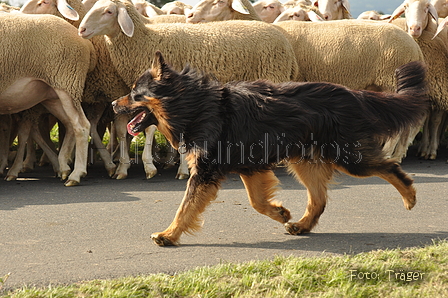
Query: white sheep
x,y
27,82
222,10
441,7
268,10
300,13
421,23
365,58
373,15
334,9
241,50
176,7
147,9
102,87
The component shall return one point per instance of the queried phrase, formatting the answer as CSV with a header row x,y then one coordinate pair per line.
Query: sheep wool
x,y
240,50
436,58
359,55
63,58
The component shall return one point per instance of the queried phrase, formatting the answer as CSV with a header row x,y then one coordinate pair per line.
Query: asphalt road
x,y
51,234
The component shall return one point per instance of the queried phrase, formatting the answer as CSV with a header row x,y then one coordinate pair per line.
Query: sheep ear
x,y
67,11
150,12
158,66
433,12
314,17
441,26
125,22
346,5
240,7
397,13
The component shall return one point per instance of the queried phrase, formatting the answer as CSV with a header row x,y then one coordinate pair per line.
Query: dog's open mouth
x,y
137,124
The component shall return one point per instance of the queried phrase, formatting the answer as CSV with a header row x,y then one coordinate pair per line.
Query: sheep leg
x,y
261,187
435,126
125,162
5,131
98,143
45,127
147,156
23,135
424,142
315,177
50,153
30,157
183,172
78,128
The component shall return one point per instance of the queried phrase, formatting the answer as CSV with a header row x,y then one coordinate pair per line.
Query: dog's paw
x,y
161,240
295,228
284,214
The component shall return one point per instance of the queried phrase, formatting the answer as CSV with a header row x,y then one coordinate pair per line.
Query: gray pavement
x,y
51,234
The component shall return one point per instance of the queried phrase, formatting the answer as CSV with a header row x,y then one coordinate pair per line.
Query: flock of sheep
x,y
72,58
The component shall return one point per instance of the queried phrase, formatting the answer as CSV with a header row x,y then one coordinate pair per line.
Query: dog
x,y
248,128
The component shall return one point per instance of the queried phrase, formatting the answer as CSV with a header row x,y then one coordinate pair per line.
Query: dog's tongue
x,y
134,122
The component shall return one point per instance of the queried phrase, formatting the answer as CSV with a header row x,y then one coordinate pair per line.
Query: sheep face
x,y
268,10
418,14
106,18
215,10
175,7
333,9
55,7
441,6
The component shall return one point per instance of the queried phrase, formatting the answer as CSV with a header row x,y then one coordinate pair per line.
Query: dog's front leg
x,y
198,195
261,188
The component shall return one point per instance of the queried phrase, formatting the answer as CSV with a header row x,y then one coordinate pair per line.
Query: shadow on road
x,y
338,243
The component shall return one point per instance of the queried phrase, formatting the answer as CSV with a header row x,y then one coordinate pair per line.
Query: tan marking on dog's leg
x,y
261,188
315,177
391,171
187,220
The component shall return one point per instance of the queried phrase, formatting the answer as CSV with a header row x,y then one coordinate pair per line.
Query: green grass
x,y
325,276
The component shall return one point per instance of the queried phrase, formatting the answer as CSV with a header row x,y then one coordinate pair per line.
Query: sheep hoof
x,y
151,174
111,172
64,175
120,176
10,178
71,183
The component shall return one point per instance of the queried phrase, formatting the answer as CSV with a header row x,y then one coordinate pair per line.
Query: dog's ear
x,y
159,66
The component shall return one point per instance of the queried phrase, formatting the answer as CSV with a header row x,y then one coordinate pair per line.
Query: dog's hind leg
x,y
315,177
198,196
261,187
391,171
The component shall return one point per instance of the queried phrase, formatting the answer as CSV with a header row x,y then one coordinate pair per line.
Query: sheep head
x,y
55,7
333,9
216,10
106,17
418,14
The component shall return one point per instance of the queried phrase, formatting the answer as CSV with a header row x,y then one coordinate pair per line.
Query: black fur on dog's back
x,y
251,126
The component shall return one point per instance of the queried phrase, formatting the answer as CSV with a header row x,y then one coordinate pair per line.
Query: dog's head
x,y
145,101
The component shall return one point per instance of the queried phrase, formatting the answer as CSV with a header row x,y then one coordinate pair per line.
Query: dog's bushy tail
x,y
408,106
411,79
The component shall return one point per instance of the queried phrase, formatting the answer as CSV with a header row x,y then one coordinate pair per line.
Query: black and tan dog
x,y
249,127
